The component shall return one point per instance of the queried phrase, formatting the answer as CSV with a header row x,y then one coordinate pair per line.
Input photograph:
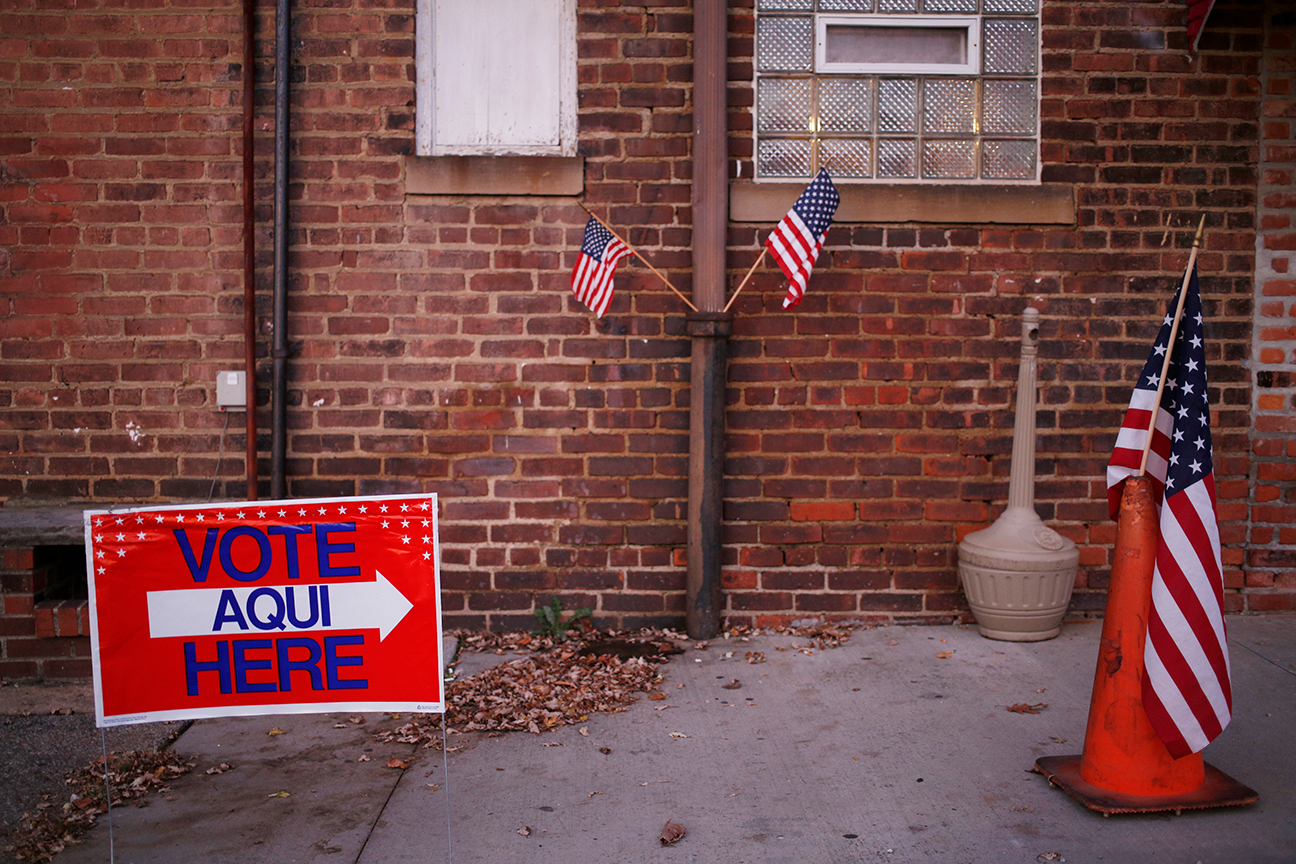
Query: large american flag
x,y
591,281
796,240
1186,690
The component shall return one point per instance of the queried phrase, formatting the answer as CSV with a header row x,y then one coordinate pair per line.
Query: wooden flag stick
x,y
1174,334
657,272
743,283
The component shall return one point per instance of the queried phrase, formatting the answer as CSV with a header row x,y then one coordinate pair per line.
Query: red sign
x,y
265,607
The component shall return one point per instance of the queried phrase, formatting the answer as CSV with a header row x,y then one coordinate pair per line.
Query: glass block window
x,y
921,91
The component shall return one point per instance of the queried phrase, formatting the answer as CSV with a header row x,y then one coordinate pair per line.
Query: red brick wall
x,y
436,347
1272,572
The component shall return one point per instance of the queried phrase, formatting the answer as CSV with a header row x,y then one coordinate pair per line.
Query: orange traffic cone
x,y
1125,767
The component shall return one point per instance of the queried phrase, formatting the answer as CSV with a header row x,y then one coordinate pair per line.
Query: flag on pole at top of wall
x,y
1186,688
1198,12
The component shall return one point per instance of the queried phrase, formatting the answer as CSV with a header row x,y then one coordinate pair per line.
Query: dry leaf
x,y
220,769
584,731
1049,856
735,684
279,795
1023,708
553,744
605,750
357,719
656,697
944,655
276,731
592,794
525,831
364,757
671,833
678,735
398,764
756,656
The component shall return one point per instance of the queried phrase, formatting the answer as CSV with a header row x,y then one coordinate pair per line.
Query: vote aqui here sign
x,y
265,607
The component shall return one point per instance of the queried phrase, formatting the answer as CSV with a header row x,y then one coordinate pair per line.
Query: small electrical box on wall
x,y
231,391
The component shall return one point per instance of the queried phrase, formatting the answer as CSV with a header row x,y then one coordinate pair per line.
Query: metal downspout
x,y
709,327
279,349
249,240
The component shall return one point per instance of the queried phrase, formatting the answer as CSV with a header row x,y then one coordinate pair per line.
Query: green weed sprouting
x,y
551,623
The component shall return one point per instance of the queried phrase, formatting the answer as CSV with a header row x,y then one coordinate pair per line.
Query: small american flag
x,y
1186,690
592,279
796,240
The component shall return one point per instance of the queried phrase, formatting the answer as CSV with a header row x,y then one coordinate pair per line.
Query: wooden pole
x,y
743,283
1174,334
657,272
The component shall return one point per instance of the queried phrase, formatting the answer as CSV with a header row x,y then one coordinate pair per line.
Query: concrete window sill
x,y
1049,204
495,175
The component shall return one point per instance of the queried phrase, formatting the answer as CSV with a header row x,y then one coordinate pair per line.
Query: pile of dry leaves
x,y
553,684
58,820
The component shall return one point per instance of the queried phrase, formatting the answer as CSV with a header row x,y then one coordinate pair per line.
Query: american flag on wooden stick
x,y
796,241
1186,689
592,279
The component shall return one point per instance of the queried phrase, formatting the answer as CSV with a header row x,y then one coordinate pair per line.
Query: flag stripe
x,y
1173,678
1174,723
1192,590
1185,658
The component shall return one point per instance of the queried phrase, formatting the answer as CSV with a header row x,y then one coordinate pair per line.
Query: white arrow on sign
x,y
250,609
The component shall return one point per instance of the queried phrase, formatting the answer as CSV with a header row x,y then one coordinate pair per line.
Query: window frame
x,y
970,24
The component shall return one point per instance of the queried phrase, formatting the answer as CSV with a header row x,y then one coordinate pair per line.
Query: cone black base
x,y
1218,790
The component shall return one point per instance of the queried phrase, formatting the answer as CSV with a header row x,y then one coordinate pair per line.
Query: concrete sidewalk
x,y
896,747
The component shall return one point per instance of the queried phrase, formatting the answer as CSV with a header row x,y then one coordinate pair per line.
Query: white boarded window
x,y
496,77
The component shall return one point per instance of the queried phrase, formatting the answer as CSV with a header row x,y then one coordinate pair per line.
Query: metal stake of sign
x,y
103,746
